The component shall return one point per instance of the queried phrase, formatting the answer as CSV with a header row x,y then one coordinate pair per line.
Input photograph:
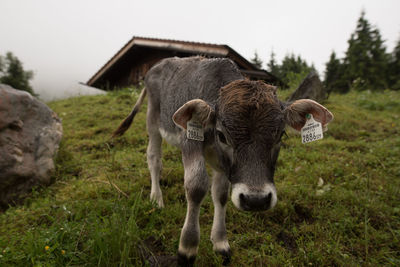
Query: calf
x,y
214,115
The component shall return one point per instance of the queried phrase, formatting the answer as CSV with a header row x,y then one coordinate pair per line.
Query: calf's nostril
x,y
245,201
255,202
268,200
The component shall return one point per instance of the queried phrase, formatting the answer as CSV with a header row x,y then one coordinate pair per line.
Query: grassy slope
x,y
97,212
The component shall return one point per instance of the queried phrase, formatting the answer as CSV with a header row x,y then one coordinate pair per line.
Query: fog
x,y
66,42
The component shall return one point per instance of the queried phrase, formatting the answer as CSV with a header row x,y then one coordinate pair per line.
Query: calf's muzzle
x,y
254,199
258,202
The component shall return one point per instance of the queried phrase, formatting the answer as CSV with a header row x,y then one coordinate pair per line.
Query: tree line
x,y
366,64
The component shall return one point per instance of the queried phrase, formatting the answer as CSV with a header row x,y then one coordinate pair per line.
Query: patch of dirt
x,y
303,213
163,260
152,251
287,240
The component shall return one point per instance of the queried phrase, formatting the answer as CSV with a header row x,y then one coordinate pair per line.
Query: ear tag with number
x,y
311,131
194,130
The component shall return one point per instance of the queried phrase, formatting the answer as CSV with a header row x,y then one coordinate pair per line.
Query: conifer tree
x,y
366,60
394,68
294,65
256,61
334,73
273,66
291,71
13,73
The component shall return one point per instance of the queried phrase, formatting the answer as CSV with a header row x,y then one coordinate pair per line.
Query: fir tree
x,y
256,61
292,69
366,60
294,65
273,66
13,73
1,64
394,68
380,59
334,75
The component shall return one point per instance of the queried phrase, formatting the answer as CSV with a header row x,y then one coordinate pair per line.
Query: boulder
x,y
311,87
30,133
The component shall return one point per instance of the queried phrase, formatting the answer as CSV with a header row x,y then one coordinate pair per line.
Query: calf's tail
x,y
128,120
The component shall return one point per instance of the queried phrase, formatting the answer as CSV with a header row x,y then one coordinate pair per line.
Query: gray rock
x,y
30,133
312,88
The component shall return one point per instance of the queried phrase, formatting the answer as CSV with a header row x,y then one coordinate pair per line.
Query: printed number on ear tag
x,y
311,131
194,130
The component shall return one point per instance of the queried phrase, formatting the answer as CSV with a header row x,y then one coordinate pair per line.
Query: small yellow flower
x,y
46,247
62,251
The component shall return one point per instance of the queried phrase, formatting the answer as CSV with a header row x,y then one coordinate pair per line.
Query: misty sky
x,y
65,42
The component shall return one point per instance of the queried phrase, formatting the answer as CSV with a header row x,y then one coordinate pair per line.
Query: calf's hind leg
x,y
154,157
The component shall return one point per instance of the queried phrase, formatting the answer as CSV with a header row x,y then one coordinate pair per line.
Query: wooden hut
x,y
130,64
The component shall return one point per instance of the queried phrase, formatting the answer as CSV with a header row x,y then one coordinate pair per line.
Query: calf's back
x,y
174,81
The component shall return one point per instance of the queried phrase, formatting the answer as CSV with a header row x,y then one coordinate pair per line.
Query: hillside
x,y
339,199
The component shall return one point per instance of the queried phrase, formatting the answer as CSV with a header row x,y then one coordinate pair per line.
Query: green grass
x,y
98,213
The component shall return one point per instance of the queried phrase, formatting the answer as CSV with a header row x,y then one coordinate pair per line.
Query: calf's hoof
x,y
226,256
158,199
183,260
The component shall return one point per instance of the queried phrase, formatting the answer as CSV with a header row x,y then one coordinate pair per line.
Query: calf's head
x,y
245,127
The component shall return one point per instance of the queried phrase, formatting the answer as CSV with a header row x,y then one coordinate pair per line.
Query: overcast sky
x,y
65,42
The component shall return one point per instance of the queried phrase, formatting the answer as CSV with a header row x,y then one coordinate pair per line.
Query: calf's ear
x,y
197,109
295,113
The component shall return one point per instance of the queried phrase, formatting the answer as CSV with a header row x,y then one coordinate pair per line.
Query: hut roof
x,y
189,48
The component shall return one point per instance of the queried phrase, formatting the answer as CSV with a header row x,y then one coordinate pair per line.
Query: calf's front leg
x,y
219,193
196,187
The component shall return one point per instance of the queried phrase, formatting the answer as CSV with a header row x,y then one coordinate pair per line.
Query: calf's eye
x,y
221,137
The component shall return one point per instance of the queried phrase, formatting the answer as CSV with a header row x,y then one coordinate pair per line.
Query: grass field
x,y
339,198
